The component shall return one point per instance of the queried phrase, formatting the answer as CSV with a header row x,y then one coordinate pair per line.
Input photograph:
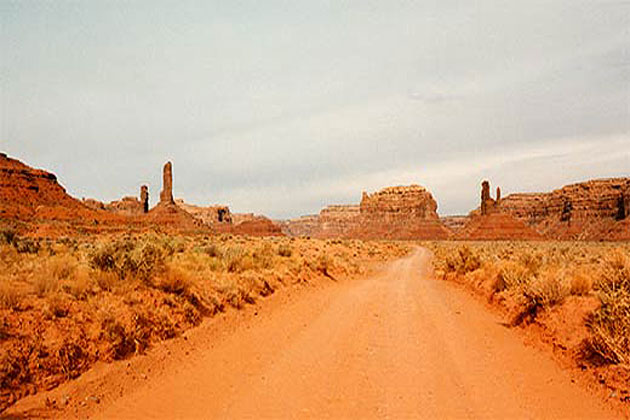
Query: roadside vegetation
x,y
67,303
532,279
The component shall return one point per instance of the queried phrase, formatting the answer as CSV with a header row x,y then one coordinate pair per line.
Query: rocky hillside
x,y
28,194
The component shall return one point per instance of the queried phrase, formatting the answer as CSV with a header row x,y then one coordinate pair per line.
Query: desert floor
x,y
396,344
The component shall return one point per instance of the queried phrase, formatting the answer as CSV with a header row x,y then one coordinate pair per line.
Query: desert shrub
x,y
581,283
262,257
532,261
105,280
141,259
324,264
511,275
61,266
56,306
8,236
213,251
610,324
27,246
79,285
44,283
10,297
174,280
285,250
237,260
463,261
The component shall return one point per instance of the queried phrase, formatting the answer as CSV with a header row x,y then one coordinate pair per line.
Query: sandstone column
x,y
498,194
144,198
485,197
621,208
166,196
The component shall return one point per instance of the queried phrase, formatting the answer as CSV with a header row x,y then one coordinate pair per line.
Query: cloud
x,y
281,108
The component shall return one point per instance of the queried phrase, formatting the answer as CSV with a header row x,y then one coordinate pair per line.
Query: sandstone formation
x,y
497,226
490,223
256,226
587,210
339,221
166,195
27,193
400,213
169,214
127,206
454,223
301,226
211,215
144,198
408,212
93,204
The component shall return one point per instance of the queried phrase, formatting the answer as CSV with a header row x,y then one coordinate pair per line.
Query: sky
x,y
283,107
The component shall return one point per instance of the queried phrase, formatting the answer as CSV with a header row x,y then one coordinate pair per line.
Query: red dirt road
x,y
396,345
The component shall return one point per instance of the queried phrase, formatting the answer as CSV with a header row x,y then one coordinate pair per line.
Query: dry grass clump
x,y
65,304
610,324
536,277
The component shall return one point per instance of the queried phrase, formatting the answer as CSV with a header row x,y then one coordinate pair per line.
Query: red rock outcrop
x,y
489,223
404,212
169,214
256,226
588,210
497,226
166,195
144,198
211,215
454,223
27,194
301,226
401,213
408,212
93,204
127,206
338,221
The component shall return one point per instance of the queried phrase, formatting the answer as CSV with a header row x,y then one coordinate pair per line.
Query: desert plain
x,y
372,310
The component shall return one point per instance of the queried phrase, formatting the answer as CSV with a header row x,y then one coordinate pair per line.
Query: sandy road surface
x,y
397,345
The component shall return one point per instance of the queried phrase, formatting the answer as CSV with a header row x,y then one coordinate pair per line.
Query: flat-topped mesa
x,y
596,199
144,198
166,195
398,203
587,210
403,212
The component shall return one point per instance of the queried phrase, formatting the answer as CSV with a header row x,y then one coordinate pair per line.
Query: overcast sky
x,y
282,107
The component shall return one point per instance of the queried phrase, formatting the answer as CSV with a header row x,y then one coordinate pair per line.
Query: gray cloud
x,y
282,107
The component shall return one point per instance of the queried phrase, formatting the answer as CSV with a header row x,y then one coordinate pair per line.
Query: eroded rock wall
x,y
211,215
338,221
586,210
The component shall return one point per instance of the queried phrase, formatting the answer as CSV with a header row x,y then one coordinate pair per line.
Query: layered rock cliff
x,y
211,215
404,212
587,210
27,193
408,212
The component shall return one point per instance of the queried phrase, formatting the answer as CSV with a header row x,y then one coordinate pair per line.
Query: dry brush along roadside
x,y
66,304
575,296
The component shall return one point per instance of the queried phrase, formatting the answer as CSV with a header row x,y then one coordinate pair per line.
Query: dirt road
x,y
397,345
